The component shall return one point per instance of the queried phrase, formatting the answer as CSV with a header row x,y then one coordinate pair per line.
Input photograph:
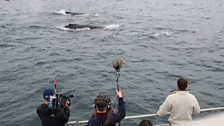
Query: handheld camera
x,y
59,101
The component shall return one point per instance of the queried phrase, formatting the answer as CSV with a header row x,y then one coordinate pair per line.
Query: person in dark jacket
x,y
52,117
104,115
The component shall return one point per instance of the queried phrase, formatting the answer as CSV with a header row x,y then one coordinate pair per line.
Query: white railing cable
x,y
212,109
146,115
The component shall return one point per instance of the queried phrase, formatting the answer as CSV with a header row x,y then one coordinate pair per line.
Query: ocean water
x,y
159,41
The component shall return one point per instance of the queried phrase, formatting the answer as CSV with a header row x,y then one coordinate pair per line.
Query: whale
x,y
73,13
78,26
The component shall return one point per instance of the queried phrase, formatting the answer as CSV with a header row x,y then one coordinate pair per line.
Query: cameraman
x,y
104,115
49,116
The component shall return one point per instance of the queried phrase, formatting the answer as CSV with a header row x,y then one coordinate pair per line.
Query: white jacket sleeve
x,y
164,108
196,109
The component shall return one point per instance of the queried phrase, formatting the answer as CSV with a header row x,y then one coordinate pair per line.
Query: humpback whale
x,y
69,12
77,26
73,13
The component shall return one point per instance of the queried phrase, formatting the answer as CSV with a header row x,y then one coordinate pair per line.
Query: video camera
x,y
59,101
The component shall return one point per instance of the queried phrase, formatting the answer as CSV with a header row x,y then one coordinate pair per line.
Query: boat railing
x,y
76,123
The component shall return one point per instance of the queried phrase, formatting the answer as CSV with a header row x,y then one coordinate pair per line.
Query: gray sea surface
x,y
159,41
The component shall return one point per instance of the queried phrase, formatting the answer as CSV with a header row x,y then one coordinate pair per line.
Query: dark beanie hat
x,y
47,93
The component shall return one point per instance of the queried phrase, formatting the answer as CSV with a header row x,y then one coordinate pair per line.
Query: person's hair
x,y
101,105
182,83
108,121
145,123
102,102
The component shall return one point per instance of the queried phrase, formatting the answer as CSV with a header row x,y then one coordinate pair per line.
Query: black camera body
x,y
59,101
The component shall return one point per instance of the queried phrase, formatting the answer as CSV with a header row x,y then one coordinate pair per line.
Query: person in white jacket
x,y
180,103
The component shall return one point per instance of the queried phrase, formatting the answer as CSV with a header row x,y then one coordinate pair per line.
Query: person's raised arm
x,y
121,110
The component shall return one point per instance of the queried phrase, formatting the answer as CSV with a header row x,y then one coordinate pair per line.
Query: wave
x,y
82,29
60,12
184,31
157,35
3,26
64,28
3,13
63,12
37,26
68,29
110,27
167,32
5,45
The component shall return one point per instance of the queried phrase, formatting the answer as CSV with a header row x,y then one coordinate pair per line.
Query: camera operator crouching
x,y
50,114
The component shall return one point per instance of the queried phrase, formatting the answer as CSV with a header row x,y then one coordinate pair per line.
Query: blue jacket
x,y
99,119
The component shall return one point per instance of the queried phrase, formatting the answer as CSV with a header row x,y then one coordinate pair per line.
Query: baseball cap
x,y
47,93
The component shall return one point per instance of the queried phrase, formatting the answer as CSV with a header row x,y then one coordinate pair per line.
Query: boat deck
x,y
77,123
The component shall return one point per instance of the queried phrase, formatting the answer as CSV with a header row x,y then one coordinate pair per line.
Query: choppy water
x,y
159,40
